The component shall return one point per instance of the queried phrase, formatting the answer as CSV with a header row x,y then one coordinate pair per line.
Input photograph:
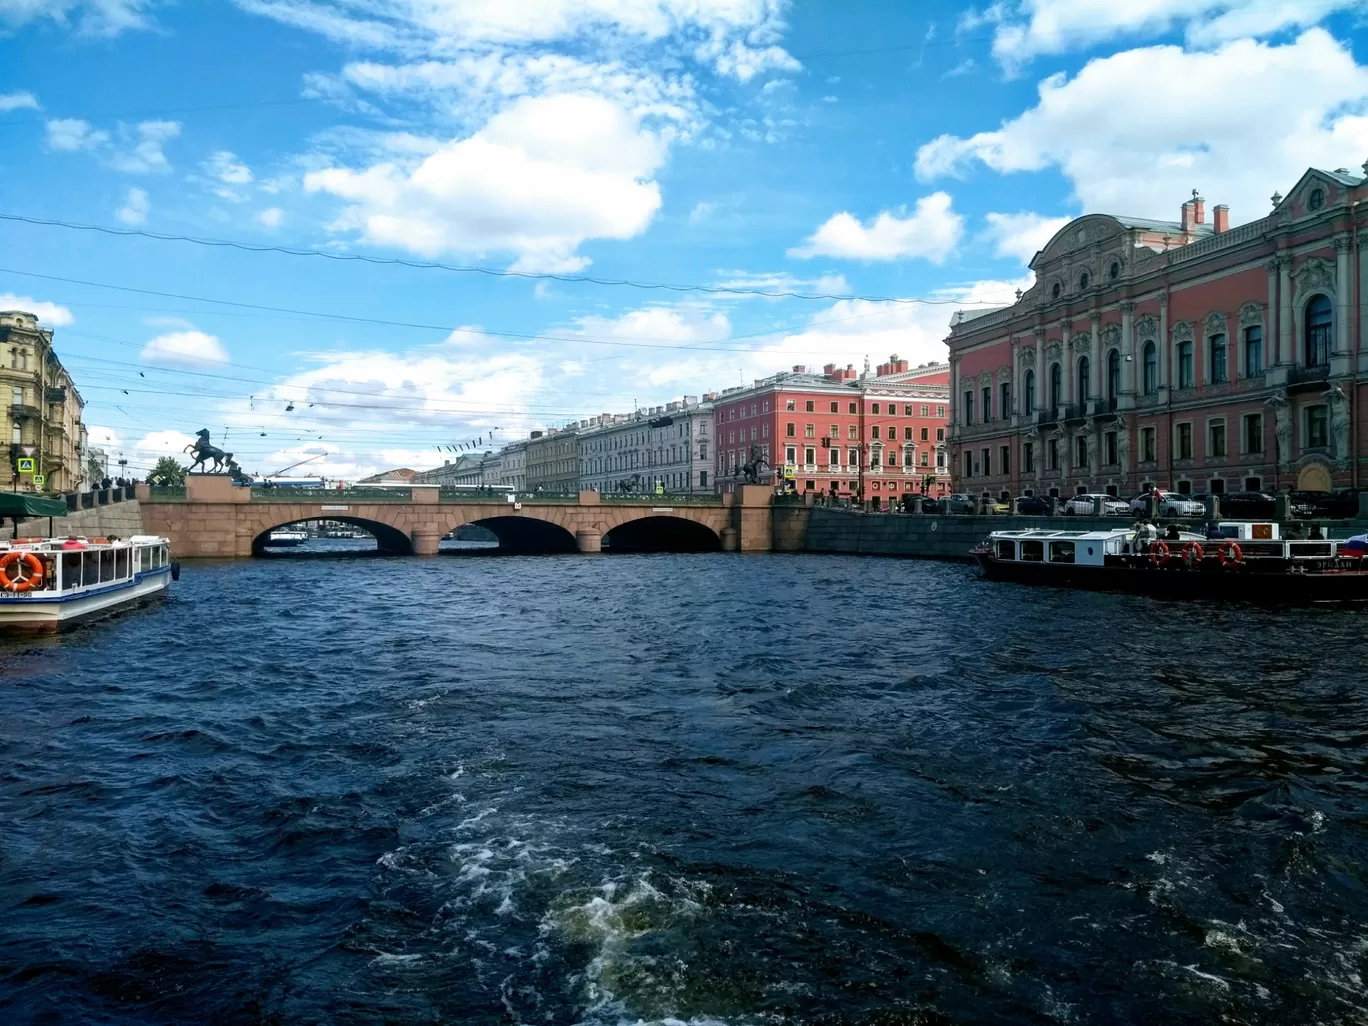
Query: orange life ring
x,y
1158,553
1192,553
20,584
1230,554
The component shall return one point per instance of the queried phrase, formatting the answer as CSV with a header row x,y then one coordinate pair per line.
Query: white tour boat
x,y
286,539
46,583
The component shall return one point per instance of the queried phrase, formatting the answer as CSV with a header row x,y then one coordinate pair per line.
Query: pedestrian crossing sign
x,y
26,465
39,480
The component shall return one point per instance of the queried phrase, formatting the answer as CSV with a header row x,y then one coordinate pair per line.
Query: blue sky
x,y
921,151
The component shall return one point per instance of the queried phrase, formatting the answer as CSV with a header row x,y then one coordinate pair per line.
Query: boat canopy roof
x,y
1042,534
20,504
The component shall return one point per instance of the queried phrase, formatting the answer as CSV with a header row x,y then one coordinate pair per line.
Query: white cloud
x,y
146,140
1137,131
187,348
18,101
660,324
70,134
932,232
1022,235
782,281
225,167
271,217
701,212
1029,28
536,181
90,17
135,207
51,314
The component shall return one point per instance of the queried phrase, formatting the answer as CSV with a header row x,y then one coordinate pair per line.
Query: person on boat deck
x,y
1316,534
1214,531
1145,534
1293,531
1172,533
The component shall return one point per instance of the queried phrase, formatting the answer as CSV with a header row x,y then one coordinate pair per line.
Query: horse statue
x,y
751,471
203,452
234,471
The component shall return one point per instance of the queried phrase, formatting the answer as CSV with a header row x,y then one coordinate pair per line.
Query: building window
x,y
1185,364
1253,484
16,433
1080,452
1253,350
1030,393
940,459
853,458
1253,433
790,455
875,408
1028,457
1151,368
987,404
853,432
854,408
1183,442
835,407
968,408
1109,449
874,432
809,457
924,457
892,432
1056,383
1052,455
1114,271
790,430
1113,377
987,466
1317,427
1054,292
1083,280
1316,200
940,434
1084,367
907,410
1004,460
907,434
925,434
790,405
1216,347
1319,321
809,430
1216,486
968,464
892,457
1216,440
810,406
1005,400
703,479
1148,445
940,412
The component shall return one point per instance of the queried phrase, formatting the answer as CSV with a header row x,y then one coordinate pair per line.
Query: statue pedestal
x,y
214,488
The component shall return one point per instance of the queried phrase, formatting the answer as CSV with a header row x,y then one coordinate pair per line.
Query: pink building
x,y
878,435
1186,355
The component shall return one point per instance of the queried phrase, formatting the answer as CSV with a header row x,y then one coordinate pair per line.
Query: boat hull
x,y
1246,583
36,612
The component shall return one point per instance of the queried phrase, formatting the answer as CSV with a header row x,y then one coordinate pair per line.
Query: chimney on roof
x,y
799,368
829,370
1194,213
1220,218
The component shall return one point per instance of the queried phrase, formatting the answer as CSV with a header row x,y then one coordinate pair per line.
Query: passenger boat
x,y
286,539
46,583
1250,561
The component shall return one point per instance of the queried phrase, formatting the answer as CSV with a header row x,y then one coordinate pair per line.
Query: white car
x,y
1083,505
1171,504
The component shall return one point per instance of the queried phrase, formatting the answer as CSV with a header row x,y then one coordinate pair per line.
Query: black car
x,y
1247,505
1324,505
1033,506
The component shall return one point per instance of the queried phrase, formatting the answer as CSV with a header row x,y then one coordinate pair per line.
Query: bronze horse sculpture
x,y
751,471
203,452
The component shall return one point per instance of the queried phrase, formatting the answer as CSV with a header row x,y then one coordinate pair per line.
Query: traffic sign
x,y
25,464
39,480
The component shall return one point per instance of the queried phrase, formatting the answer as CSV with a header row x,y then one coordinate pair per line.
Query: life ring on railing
x,y
20,583
1158,553
1230,554
1192,553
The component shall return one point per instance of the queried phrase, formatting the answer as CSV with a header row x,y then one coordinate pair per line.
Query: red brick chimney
x,y
799,368
1220,218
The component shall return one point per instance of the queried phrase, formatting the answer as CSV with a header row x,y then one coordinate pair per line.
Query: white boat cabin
x,y
83,565
1085,548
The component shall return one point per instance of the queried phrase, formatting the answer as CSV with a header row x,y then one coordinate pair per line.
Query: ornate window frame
x,y
1215,323
1251,315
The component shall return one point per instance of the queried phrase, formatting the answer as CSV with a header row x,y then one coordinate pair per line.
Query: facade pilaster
x,y
1128,358
1285,310
1066,359
1014,412
1343,294
1163,341
1097,360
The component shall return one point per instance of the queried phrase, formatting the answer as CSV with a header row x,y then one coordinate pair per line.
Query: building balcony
x,y
1076,411
23,411
1308,379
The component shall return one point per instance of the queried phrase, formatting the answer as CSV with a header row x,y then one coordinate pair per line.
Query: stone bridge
x,y
216,518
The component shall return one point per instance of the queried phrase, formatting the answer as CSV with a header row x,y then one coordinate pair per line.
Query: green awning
x,y
19,504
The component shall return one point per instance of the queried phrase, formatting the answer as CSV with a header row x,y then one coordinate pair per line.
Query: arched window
x,y
1319,322
1055,291
1083,280
1030,392
1151,368
1185,364
1113,377
1083,369
1216,356
1115,270
1056,383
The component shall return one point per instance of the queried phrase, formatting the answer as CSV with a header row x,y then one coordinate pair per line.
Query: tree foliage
x,y
168,473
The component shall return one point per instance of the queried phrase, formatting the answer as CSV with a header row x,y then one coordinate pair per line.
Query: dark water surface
x,y
706,789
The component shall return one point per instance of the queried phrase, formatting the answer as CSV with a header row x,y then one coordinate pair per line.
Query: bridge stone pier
x,y
216,518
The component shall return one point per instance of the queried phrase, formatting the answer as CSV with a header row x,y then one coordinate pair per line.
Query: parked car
x,y
1247,505
1171,504
1033,506
1324,505
1084,505
996,506
962,502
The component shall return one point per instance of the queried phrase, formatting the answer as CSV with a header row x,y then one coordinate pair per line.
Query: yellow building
x,y
45,408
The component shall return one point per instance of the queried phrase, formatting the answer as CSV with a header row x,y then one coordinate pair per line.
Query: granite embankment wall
x,y
120,518
917,535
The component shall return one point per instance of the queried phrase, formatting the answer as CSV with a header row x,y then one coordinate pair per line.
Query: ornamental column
x,y
1270,356
1127,349
1163,341
1097,360
1016,381
1065,365
1041,378
1343,291
1285,354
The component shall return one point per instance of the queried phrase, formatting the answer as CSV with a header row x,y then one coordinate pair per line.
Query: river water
x,y
702,789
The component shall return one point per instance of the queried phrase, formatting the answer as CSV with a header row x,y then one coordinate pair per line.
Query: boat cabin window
x,y
1006,550
1061,552
121,562
1033,552
71,569
107,565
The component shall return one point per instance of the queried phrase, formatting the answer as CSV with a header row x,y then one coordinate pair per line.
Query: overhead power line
x,y
494,272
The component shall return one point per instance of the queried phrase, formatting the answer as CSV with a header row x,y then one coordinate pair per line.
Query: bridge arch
x,y
661,533
389,539
527,534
